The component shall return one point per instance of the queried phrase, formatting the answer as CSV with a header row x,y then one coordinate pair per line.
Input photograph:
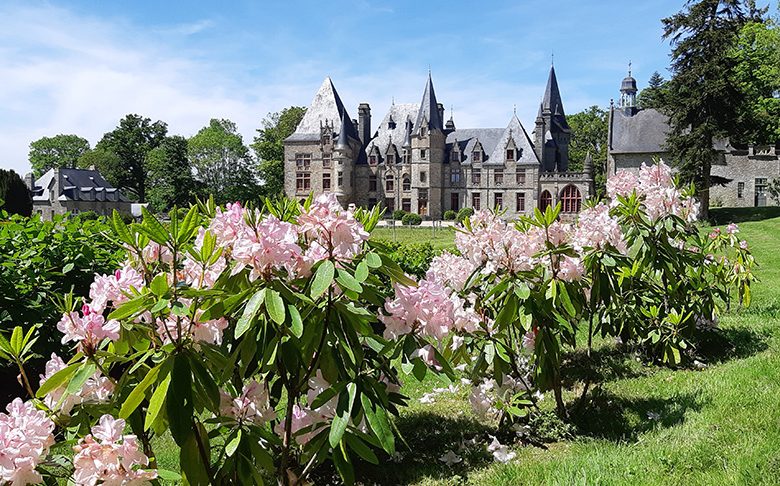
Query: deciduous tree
x,y
589,135
171,181
269,147
57,151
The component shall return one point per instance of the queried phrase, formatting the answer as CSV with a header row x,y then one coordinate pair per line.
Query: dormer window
x,y
422,131
390,159
476,156
455,156
391,124
510,155
325,139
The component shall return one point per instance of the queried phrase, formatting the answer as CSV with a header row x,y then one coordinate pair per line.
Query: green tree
x,y
268,146
654,95
171,181
57,151
222,163
757,53
589,135
705,101
14,195
129,145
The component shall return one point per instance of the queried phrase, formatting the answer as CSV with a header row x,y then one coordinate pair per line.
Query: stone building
x,y
63,190
740,175
416,161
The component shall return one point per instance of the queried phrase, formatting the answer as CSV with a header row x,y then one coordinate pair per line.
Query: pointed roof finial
x,y
392,103
552,58
629,67
429,70
514,109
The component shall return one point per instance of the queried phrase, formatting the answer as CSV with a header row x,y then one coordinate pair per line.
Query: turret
x,y
628,93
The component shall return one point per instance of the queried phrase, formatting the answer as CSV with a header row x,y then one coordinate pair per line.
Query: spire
x,y
552,95
429,109
343,141
628,92
326,106
587,164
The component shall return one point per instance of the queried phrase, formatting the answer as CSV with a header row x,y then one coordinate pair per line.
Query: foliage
x,y
222,162
170,179
411,219
464,214
450,215
413,258
589,136
399,214
654,95
15,197
268,146
57,151
704,100
121,155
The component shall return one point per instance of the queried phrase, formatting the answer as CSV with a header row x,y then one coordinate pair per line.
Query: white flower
x,y
654,416
501,453
450,458
427,398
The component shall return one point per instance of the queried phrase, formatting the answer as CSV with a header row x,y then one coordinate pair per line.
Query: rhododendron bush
x,y
251,335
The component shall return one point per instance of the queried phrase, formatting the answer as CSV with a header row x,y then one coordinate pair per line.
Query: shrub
x,y
465,213
411,219
399,214
450,215
89,216
15,197
413,258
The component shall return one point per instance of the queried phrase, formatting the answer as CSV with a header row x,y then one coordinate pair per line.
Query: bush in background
x,y
411,219
464,214
398,214
450,215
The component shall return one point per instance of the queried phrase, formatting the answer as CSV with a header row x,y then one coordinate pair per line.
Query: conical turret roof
x,y
429,109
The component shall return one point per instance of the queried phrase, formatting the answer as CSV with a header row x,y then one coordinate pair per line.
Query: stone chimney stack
x,y
364,122
29,181
440,107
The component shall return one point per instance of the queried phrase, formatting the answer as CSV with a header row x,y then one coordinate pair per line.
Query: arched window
x,y
407,183
570,200
545,200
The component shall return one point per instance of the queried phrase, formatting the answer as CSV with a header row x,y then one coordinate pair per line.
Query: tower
x,y
552,132
428,147
364,123
628,93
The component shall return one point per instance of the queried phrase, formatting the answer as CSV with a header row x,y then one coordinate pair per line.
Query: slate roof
x,y
467,138
385,134
325,107
644,132
516,132
81,184
553,103
429,109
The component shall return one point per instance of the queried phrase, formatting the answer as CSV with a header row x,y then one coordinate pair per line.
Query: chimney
x,y
440,107
364,122
29,181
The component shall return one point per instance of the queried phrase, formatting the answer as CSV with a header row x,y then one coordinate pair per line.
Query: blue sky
x,y
78,67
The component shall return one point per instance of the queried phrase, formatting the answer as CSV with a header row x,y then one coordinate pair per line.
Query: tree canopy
x,y
589,135
57,151
15,197
171,181
654,96
268,146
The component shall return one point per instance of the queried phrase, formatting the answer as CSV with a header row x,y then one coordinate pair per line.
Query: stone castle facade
x,y
740,175
417,162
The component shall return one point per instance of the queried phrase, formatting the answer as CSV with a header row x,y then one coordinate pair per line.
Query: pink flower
x,y
714,233
108,457
498,246
596,229
743,245
570,269
335,229
202,276
621,184
113,288
558,233
199,331
228,225
25,437
96,389
426,309
301,419
252,405
153,252
655,175
87,330
450,270
428,356
732,229
270,247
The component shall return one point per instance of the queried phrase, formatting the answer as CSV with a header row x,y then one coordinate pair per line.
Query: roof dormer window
x,y
510,155
476,156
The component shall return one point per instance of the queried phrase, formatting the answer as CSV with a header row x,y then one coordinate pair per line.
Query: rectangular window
x,y
455,156
303,161
455,201
455,176
326,181
761,186
390,160
372,159
476,157
389,183
740,190
499,200
302,181
423,154
520,175
475,201
406,204
498,176
510,155
476,176
340,181
406,156
372,184
390,204
423,176
325,139
326,161
520,203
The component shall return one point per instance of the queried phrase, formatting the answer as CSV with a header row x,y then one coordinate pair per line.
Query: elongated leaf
x,y
361,272
178,401
192,465
275,306
250,311
343,411
156,402
322,279
347,281
68,267
167,475
17,337
153,228
231,446
296,324
80,377
57,379
128,308
205,382
139,392
361,448
343,466
120,228
159,285
563,295
188,226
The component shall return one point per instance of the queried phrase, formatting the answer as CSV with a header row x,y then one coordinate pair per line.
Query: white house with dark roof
x,y
740,175
417,162
62,190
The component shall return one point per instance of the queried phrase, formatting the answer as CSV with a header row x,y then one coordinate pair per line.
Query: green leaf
x,y
192,466
322,279
188,226
296,323
231,446
205,383
120,228
343,412
373,260
376,416
252,306
275,306
347,281
156,402
361,272
522,291
57,379
563,295
159,285
160,305
80,377
178,401
17,336
343,466
167,475
67,268
361,448
153,228
128,308
139,392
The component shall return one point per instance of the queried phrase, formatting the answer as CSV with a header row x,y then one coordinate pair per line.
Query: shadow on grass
x,y
719,345
429,436
604,364
615,418
720,216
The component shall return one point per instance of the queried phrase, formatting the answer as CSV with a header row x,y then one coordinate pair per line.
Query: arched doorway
x,y
571,200
545,200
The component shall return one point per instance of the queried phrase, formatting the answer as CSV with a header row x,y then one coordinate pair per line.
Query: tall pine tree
x,y
704,100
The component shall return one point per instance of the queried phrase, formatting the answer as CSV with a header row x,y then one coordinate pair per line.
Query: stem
x,y
25,380
204,455
283,479
148,450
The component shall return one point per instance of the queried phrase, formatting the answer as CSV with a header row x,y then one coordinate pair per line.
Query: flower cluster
x,y
198,330
331,229
96,389
597,230
252,405
25,437
88,328
113,288
106,456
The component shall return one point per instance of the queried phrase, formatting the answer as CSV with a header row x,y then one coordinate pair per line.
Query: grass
x,y
720,425
439,238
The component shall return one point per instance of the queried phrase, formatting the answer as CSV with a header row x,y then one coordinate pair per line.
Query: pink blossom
x,y
113,288
87,330
426,309
529,340
482,399
108,457
270,247
428,356
301,419
500,247
335,229
252,405
450,270
559,233
655,175
96,389
228,225
202,276
25,437
732,229
714,233
596,229
154,252
743,245
623,183
199,331
570,269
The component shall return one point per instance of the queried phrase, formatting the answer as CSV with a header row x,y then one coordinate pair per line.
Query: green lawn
x,y
720,425
439,238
